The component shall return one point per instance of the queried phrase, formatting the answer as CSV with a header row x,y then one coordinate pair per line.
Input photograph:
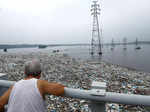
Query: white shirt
x,y
25,97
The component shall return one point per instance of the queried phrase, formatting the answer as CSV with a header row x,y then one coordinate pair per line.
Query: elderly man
x,y
27,95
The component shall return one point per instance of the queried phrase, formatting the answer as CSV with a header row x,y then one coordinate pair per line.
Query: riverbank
x,y
76,73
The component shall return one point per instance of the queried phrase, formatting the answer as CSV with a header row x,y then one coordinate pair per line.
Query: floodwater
x,y
136,59
132,58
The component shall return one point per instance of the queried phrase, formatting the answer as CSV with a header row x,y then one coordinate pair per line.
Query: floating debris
x,y
75,73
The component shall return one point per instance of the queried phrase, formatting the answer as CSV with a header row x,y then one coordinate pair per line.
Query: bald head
x,y
33,68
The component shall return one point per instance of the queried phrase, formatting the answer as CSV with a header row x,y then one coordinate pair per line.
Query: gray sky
x,y
69,21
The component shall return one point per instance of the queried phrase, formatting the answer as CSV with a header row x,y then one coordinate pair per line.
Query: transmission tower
x,y
96,46
125,43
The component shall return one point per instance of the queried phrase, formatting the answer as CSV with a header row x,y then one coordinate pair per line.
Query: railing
x,y
98,98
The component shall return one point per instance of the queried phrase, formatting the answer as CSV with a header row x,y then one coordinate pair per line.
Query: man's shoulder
x,y
41,82
40,85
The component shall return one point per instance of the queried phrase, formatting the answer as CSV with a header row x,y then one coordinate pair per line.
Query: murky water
x,y
137,59
132,58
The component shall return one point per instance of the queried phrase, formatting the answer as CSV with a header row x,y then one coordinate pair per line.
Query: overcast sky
x,y
69,21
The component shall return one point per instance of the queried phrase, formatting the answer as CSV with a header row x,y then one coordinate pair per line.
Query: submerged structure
x,y
96,46
124,43
137,46
112,44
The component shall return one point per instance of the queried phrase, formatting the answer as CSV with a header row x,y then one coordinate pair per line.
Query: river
x,y
136,59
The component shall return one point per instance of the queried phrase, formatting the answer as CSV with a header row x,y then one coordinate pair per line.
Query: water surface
x,y
137,59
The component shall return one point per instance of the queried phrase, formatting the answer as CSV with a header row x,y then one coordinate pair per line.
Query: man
x,y
27,95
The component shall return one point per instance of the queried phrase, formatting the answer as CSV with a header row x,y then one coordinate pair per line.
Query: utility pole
x,y
96,46
112,44
125,43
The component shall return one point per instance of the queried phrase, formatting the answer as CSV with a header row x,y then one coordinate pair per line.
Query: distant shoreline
x,y
16,46
10,46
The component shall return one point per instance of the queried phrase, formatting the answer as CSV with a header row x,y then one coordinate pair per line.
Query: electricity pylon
x,y
96,46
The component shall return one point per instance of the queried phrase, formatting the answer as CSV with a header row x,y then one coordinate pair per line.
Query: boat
x,y
42,46
124,48
5,50
112,48
138,48
100,53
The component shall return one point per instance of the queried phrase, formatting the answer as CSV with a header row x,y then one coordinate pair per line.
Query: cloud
x,y
70,21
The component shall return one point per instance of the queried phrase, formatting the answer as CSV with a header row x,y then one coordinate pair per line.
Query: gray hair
x,y
33,68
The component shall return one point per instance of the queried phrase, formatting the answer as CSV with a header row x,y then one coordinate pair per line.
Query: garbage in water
x,y
76,73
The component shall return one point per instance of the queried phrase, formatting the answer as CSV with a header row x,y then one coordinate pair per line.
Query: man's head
x,y
33,68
